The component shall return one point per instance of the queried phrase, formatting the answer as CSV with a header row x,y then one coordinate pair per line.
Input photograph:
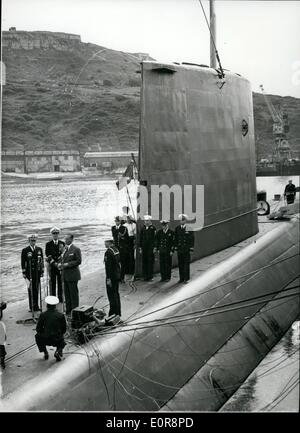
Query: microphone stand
x,y
31,288
62,282
39,269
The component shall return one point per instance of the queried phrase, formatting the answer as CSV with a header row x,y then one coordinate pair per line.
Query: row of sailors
x,y
163,241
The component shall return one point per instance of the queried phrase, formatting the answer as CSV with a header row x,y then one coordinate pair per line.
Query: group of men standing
x,y
165,242
63,259
119,257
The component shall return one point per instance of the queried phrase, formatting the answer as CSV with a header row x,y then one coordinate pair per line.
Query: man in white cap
x,y
146,247
50,329
164,244
53,251
32,263
184,245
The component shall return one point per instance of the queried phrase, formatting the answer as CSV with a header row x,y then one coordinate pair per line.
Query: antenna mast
x,y
212,16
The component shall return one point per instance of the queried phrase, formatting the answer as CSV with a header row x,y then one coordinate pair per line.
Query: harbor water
x,y
84,207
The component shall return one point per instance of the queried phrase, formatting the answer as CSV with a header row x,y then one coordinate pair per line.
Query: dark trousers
x,y
35,287
290,198
55,279
165,263
147,263
2,352
114,298
184,259
71,295
43,341
131,260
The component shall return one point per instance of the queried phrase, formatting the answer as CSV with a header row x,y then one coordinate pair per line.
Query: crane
x,y
282,151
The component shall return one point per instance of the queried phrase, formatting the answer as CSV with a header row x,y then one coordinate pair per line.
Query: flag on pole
x,y
126,178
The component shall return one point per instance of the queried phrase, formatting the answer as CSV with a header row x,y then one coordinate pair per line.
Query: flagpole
x,y
128,195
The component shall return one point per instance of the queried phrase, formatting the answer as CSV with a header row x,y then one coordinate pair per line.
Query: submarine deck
x,y
24,362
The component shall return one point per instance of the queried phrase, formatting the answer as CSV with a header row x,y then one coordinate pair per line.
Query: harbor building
x,y
108,160
40,161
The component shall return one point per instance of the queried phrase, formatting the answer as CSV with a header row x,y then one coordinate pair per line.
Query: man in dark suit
x,y
121,241
184,245
290,192
53,251
50,329
164,244
32,263
113,274
69,265
146,247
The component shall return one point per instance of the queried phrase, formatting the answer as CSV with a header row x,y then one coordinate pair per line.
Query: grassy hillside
x,y
88,99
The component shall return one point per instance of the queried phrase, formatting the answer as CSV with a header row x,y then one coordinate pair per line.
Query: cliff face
x,y
61,93
21,40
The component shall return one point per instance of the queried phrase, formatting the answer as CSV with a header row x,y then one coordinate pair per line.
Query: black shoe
x,y
161,280
186,281
46,355
180,281
29,311
57,356
168,279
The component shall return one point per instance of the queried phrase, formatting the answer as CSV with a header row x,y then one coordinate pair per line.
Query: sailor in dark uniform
x,y
32,264
146,247
53,251
290,192
184,245
113,274
164,244
121,241
50,329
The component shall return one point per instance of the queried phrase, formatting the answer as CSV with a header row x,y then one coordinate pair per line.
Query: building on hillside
x,y
39,161
108,161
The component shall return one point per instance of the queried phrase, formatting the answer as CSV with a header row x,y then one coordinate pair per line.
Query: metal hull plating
x,y
145,362
192,134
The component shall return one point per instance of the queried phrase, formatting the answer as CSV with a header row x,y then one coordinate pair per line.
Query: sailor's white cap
x,y
183,216
164,221
55,229
32,236
51,300
147,217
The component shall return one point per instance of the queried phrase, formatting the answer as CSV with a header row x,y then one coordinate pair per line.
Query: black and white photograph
x,y
150,184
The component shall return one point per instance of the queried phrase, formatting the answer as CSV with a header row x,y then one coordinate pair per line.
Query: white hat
x,y
55,229
51,300
183,215
32,236
164,221
147,217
